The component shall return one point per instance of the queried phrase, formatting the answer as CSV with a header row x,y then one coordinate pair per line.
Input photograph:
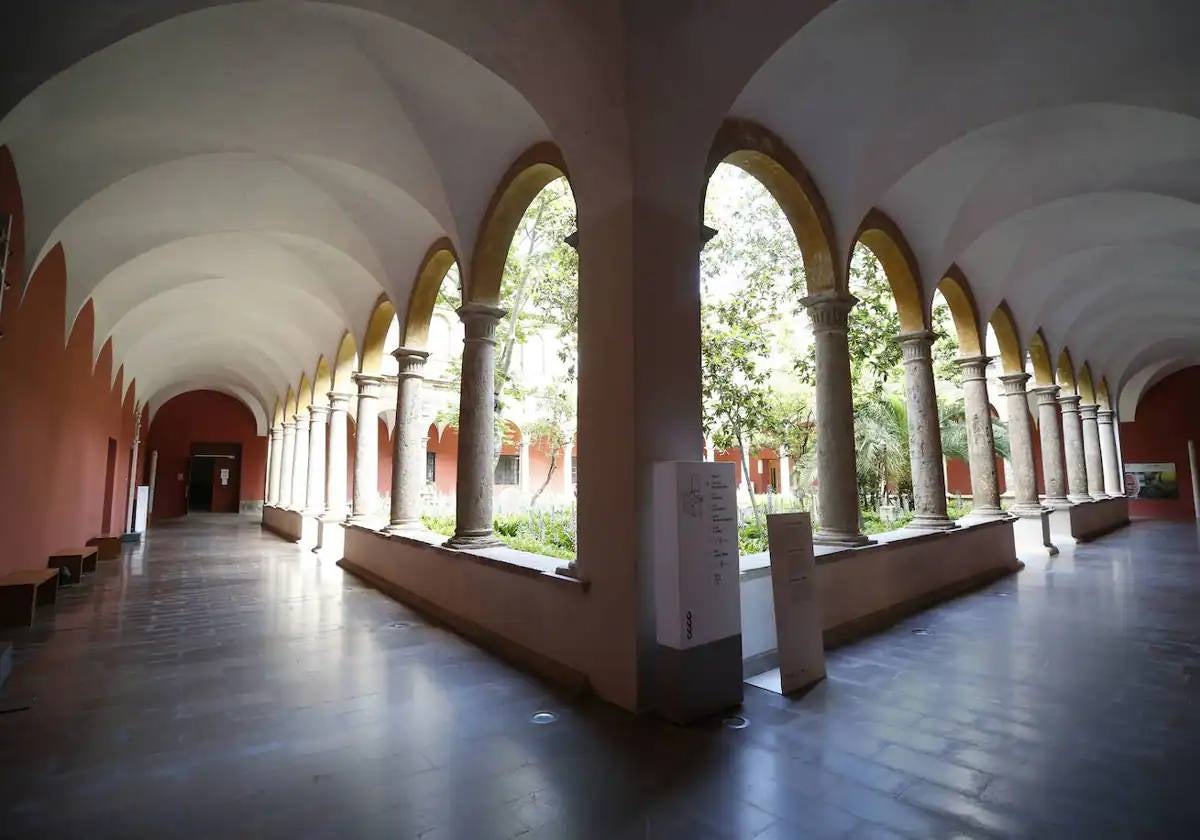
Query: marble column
x,y
409,442
568,485
785,474
335,470
135,445
1050,430
476,428
838,481
523,481
272,457
153,481
981,445
924,434
273,497
300,462
1077,490
286,457
1113,485
1020,441
366,449
1093,461
315,499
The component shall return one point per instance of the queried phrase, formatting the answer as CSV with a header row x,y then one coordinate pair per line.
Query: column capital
x,y
1105,416
368,384
973,367
299,418
318,412
1014,383
339,401
480,320
829,311
1069,402
917,346
275,432
411,361
1045,394
286,426
1088,411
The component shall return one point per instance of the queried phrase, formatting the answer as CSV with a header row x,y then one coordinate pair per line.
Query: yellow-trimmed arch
x,y
1039,354
884,239
963,312
1012,360
303,393
380,322
1065,373
289,406
344,365
322,382
277,413
1086,389
759,152
438,261
1103,398
527,177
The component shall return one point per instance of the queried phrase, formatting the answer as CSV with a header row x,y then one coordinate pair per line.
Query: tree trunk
x,y
549,474
745,459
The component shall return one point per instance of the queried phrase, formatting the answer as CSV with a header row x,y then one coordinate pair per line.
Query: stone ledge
x,y
283,522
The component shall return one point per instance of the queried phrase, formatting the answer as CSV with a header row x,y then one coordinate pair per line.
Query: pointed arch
x,y
1005,326
438,261
1086,389
277,413
759,152
322,382
344,364
1039,354
884,239
1103,397
528,176
1065,373
380,322
289,405
303,393
963,312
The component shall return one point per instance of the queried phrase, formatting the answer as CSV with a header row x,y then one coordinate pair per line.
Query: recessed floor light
x,y
543,718
736,722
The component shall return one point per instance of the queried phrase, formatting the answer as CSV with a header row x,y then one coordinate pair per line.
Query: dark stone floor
x,y
219,682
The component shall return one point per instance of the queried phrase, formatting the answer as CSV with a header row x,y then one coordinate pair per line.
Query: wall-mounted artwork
x,y
1151,481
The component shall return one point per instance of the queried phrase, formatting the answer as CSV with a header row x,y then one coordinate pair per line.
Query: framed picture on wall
x,y
1151,481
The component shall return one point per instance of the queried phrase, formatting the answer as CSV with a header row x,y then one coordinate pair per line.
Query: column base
x,y
925,522
846,539
315,514
983,513
1100,496
1056,502
404,527
337,517
473,539
1075,498
1028,510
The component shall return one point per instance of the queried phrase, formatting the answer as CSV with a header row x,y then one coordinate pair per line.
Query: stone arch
x,y
1065,373
277,413
438,261
528,176
322,382
884,239
1103,398
344,364
759,152
957,293
380,322
289,405
1087,390
1012,359
1039,355
303,393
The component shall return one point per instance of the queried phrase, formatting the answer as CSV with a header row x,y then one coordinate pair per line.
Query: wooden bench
x,y
78,561
109,546
23,591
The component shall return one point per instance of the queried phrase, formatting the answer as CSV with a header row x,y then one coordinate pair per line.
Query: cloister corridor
x,y
217,681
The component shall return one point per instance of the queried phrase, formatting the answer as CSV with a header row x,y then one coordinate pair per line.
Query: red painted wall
x,y
958,477
57,411
1166,420
203,417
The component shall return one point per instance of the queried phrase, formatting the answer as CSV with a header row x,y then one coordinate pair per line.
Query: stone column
x,y
335,472
785,474
924,434
1073,448
300,462
409,442
1093,461
315,501
1052,444
133,471
366,449
981,445
1020,441
836,474
476,428
153,480
286,460
523,466
1113,485
568,485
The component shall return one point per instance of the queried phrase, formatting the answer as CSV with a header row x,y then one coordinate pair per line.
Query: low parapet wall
x,y
288,524
1088,520
861,590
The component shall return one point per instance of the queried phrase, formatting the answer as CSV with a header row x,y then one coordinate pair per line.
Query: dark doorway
x,y
110,478
214,477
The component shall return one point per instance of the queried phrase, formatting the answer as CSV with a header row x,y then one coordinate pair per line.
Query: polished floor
x,y
218,682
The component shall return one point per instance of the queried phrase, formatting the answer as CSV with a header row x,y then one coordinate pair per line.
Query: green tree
x,y
557,412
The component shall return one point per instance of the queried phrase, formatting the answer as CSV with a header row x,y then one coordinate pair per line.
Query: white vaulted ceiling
x,y
1050,150
234,188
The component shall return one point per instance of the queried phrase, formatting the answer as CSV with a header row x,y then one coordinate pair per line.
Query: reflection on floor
x,y
219,682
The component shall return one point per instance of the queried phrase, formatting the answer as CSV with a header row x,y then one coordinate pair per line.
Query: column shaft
x,y
1113,485
315,501
335,472
568,485
476,428
287,456
408,454
838,490
300,462
1077,489
1020,441
1050,430
366,449
133,471
1093,460
981,444
276,465
924,434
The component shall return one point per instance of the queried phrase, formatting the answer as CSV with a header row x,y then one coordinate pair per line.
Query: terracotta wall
x,y
958,477
58,411
1166,419
203,417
